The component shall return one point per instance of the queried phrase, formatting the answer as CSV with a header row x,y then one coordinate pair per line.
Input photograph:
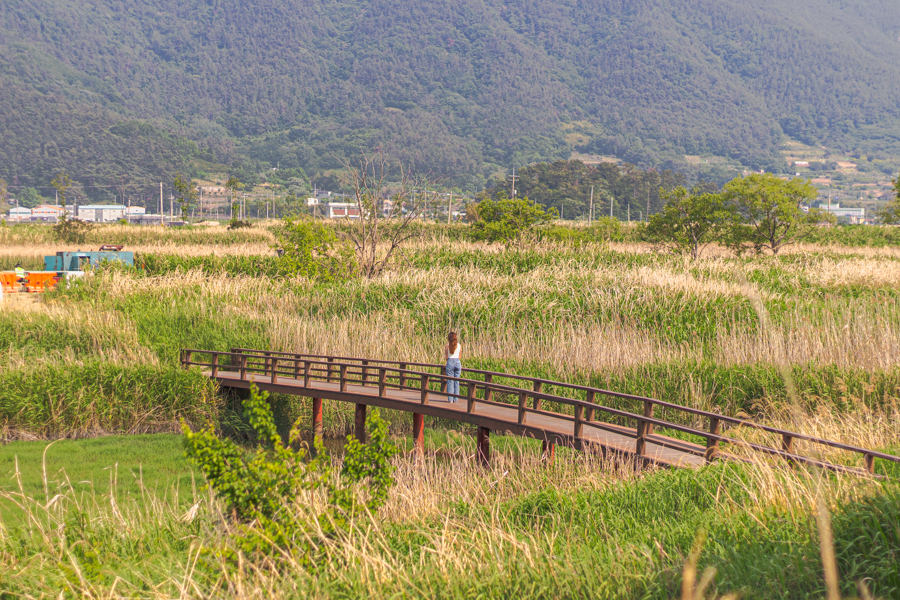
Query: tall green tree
x,y
691,221
511,221
188,192
62,182
773,211
890,214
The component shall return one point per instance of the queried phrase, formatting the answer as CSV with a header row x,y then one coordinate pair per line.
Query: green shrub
x,y
312,249
257,486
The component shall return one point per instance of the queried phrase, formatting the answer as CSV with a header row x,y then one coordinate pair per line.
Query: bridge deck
x,y
551,426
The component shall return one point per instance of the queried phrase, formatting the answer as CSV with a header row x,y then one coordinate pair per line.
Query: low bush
x,y
259,486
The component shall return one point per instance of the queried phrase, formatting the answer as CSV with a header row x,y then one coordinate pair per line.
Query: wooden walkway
x,y
421,389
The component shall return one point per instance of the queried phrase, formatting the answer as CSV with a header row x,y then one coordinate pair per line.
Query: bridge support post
x,y
484,446
361,423
317,418
419,434
548,450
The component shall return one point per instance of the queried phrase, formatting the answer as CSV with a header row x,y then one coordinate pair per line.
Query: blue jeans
x,y
454,368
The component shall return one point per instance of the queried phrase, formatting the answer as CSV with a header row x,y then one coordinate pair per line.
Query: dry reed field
x,y
807,340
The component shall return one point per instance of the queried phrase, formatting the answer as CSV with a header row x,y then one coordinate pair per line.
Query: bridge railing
x,y
398,375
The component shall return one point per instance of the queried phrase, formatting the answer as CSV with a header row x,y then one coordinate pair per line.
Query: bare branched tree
x,y
386,209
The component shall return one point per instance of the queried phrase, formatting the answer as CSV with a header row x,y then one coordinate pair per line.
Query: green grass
x,y
127,466
101,397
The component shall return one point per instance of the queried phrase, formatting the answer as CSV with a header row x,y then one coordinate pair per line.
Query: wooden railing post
x,y
591,397
870,464
579,427
644,429
402,375
343,371
243,366
186,360
537,390
787,443
296,368
330,360
267,362
215,365
712,445
648,412
382,382
365,372
306,373
523,403
274,370
425,383
488,391
470,397
443,386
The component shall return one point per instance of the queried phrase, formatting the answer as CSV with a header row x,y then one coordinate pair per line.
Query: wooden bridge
x,y
552,411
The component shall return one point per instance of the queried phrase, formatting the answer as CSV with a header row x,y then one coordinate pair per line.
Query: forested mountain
x,y
113,89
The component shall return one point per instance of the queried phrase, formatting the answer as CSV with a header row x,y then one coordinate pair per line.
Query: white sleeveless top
x,y
455,354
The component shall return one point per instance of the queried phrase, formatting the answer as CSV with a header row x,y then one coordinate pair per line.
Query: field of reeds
x,y
808,340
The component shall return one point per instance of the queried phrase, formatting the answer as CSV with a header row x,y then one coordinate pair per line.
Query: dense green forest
x,y
117,90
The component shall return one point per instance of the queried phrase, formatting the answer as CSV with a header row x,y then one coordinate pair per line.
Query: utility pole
x,y
449,207
160,203
612,201
514,183
591,211
629,213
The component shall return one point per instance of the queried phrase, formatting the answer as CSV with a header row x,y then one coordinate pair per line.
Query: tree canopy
x,y
774,212
690,221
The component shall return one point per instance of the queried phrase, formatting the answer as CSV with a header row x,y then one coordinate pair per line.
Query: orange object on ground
x,y
36,281
8,282
41,281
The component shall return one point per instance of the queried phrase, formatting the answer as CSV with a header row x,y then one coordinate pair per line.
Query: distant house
x,y
801,163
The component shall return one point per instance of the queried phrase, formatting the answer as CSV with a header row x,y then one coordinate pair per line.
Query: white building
x,y
854,215
45,212
19,213
135,211
101,213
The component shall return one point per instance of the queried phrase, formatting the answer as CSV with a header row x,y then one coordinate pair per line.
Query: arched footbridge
x,y
652,432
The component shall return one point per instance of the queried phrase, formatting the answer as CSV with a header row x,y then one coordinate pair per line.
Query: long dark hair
x,y
453,341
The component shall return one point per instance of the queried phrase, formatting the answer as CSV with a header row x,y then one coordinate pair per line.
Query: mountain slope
x,y
460,88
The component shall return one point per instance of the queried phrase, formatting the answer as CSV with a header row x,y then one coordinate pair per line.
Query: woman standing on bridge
x,y
454,367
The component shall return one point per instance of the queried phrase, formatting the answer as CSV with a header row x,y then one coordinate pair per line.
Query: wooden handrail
x,y
645,422
589,390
